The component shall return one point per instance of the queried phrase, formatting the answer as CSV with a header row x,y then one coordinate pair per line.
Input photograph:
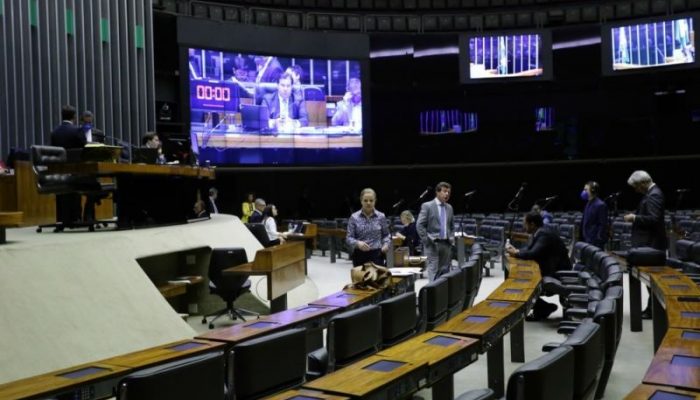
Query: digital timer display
x,y
208,92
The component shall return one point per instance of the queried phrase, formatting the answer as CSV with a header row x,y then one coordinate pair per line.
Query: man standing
x,y
595,216
435,230
69,136
549,251
257,216
648,225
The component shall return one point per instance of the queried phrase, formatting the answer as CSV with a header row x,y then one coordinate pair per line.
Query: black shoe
x,y
646,314
543,314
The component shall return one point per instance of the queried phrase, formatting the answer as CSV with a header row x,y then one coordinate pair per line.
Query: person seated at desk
x,y
409,233
257,215
549,251
269,214
200,209
348,111
151,141
287,113
69,136
92,134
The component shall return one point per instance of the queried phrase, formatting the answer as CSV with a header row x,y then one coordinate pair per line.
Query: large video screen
x,y
446,121
652,44
506,56
263,109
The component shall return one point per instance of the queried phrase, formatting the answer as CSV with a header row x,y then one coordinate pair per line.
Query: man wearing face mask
x,y
595,216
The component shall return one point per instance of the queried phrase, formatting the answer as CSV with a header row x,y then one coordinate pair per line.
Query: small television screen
x,y
437,122
652,44
523,56
263,109
544,119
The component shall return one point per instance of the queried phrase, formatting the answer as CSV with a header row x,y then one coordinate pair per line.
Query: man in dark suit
x,y
648,225
69,136
286,111
595,216
257,216
435,229
549,251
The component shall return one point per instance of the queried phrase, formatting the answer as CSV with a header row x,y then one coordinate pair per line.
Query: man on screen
x,y
287,113
348,111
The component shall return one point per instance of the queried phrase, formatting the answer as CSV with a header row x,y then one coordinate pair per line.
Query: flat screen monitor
x,y
649,45
447,121
544,119
266,109
506,56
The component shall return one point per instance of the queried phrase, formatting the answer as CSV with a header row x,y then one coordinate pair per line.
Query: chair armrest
x,y
578,297
478,394
566,330
317,362
567,273
547,347
576,288
579,313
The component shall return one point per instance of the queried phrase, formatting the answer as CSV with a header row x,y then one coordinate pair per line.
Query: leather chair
x,y
398,318
350,336
198,377
270,364
472,272
432,305
683,253
228,287
646,256
258,230
456,291
548,377
588,345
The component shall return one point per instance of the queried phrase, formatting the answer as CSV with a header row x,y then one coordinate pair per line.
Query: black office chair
x,y
548,377
456,291
432,305
198,377
258,230
350,336
268,365
471,269
589,349
67,188
229,287
398,318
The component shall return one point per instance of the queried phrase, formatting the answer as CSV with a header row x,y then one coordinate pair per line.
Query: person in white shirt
x,y
269,215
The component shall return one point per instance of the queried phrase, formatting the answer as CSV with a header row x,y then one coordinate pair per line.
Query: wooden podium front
x,y
283,265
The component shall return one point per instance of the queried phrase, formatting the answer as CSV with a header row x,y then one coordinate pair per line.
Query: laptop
x,y
144,155
254,118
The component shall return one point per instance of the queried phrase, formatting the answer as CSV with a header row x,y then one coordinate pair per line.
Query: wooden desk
x,y
9,219
98,378
683,312
677,362
445,354
358,380
283,265
637,275
147,193
162,354
489,321
348,299
308,237
302,394
645,392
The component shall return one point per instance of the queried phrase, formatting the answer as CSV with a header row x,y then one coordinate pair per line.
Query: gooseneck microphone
x,y
469,194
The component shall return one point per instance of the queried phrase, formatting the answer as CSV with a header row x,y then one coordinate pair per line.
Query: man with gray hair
x,y
648,226
257,216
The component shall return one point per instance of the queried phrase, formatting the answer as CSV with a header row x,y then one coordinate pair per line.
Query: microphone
x,y
398,203
469,194
682,190
550,198
614,195
426,191
521,190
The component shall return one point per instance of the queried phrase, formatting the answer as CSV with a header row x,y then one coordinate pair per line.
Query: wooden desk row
x,y
675,368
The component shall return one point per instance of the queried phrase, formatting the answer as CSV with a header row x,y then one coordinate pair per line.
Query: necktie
x,y
285,109
443,222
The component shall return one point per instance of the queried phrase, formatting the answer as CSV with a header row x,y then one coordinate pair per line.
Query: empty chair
x,y
268,365
588,345
646,256
567,232
398,318
548,377
432,305
471,269
350,336
229,287
456,291
683,249
198,377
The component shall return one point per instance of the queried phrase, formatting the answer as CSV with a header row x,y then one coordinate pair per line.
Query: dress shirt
x,y
372,230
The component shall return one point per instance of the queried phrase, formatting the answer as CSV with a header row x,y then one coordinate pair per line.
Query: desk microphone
x,y
521,190
550,198
682,190
613,195
426,191
398,203
469,194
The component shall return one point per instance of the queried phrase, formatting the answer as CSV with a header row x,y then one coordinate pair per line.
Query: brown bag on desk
x,y
370,276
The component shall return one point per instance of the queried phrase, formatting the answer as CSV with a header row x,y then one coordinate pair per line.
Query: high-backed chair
x,y
258,230
548,377
269,364
349,336
471,269
432,305
197,377
456,291
589,349
229,287
398,318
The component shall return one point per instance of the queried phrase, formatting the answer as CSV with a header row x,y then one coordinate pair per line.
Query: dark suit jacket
x,y
595,222
68,136
297,108
257,217
548,250
648,228
412,239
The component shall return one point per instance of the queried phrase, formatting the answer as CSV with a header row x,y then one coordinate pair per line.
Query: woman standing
x,y
368,232
247,207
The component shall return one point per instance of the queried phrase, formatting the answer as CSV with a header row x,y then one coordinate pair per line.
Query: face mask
x,y
584,195
87,127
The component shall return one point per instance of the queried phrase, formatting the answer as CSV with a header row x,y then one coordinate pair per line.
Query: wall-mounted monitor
x,y
447,121
525,55
655,44
544,119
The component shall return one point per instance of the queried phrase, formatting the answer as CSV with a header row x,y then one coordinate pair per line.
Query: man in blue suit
x,y
286,111
595,216
436,231
69,136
